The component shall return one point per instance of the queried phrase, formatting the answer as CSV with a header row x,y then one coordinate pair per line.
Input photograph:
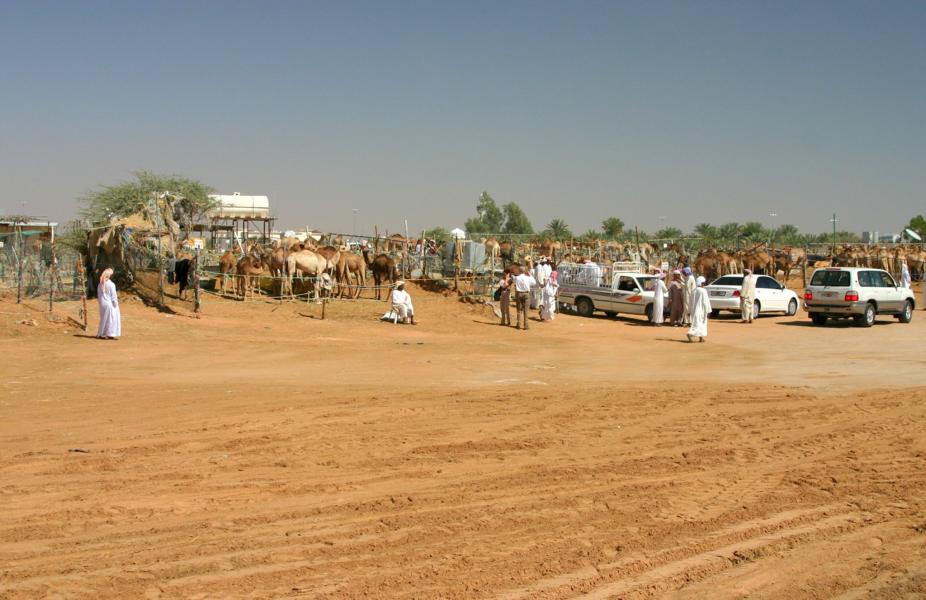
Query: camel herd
x,y
288,259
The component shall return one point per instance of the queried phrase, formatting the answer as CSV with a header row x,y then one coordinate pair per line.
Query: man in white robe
x,y
110,317
402,303
540,276
659,299
905,279
748,295
690,286
700,311
548,302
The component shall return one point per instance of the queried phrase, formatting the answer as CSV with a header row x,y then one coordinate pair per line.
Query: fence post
x,y
196,297
19,267
83,290
52,275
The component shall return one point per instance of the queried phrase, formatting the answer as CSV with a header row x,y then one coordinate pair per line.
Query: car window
x,y
648,283
767,283
887,280
626,284
732,280
864,279
830,278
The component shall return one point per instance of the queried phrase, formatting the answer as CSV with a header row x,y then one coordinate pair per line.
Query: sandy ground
x,y
260,452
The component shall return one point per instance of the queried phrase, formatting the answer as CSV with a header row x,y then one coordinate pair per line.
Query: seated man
x,y
402,303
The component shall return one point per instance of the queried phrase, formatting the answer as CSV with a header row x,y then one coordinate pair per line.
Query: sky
x,y
659,113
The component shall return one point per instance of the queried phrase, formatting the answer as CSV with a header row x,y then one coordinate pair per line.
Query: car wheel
x,y
649,312
756,308
818,319
585,307
792,307
907,315
867,318
715,313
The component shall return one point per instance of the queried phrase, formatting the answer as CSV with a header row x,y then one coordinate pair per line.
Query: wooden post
x,y
52,274
324,304
19,267
197,299
83,290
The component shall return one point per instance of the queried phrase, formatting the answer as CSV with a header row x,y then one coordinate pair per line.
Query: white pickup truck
x,y
589,288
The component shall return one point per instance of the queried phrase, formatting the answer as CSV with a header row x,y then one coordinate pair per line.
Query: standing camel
x,y
351,265
383,269
311,264
227,264
247,269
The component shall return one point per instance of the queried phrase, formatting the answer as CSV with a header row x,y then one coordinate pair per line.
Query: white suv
x,y
857,292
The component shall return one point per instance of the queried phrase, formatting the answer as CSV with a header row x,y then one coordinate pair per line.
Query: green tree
x,y
612,227
918,224
489,217
438,234
590,236
558,230
516,220
753,230
668,233
190,198
707,231
788,234
730,232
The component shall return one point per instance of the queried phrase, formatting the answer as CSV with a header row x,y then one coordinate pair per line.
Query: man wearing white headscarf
x,y
748,295
540,276
690,286
110,318
659,299
402,303
905,279
700,310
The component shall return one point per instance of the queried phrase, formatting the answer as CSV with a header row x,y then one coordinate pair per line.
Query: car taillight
x,y
851,296
808,295
736,293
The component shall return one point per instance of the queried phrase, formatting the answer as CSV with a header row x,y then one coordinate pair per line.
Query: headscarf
x,y
701,280
687,270
104,277
660,275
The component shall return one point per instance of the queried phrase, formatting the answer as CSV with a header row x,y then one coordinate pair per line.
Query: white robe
x,y
110,319
905,279
700,310
402,304
536,292
690,286
548,305
659,301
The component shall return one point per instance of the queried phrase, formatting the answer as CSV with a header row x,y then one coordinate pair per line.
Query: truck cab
x,y
608,291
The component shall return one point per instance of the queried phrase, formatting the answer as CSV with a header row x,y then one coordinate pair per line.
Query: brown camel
x,y
351,265
247,270
383,268
311,264
227,264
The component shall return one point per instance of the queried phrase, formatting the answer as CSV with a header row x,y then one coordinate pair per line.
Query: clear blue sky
x,y
693,111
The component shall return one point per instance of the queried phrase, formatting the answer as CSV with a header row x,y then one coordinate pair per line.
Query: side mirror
x,y
636,290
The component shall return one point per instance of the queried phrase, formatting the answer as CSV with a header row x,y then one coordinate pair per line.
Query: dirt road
x,y
261,452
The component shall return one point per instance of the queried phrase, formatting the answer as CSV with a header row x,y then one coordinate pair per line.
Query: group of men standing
x,y
535,289
688,302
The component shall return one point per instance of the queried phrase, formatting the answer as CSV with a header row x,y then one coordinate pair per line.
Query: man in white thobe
x,y
905,279
540,277
690,286
748,295
402,303
700,310
659,299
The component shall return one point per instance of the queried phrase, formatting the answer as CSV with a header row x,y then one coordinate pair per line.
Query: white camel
x,y
311,264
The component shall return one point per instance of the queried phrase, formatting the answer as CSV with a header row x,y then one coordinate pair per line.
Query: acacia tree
x,y
108,202
917,224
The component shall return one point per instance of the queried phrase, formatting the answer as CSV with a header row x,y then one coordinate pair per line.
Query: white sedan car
x,y
771,296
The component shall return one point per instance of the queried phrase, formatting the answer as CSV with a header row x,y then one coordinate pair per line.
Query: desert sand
x,y
261,452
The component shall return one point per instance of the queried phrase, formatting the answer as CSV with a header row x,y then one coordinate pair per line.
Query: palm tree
x,y
558,230
729,232
612,227
706,231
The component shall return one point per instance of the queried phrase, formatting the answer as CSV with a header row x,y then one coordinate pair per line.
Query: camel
x,y
383,269
246,270
309,263
506,252
351,265
227,264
